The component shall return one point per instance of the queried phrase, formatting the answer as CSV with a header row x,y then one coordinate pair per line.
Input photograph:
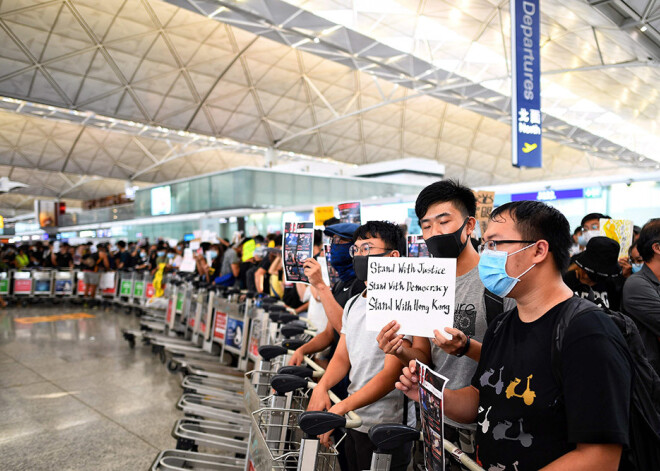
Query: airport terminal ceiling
x,y
97,93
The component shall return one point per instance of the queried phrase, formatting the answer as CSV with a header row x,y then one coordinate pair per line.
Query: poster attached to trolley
x,y
417,247
298,246
526,83
350,212
431,389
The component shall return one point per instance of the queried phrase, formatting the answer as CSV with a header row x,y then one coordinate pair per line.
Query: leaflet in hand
x,y
417,247
431,389
350,212
298,247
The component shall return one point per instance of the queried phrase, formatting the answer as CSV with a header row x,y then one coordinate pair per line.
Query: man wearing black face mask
x,y
446,210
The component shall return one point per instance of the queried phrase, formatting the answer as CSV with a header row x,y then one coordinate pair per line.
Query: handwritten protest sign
x,y
485,201
620,230
416,292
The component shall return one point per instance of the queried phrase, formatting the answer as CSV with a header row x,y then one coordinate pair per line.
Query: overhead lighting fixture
x,y
643,28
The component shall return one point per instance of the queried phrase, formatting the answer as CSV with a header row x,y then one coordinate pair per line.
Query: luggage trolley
x,y
22,286
4,284
124,296
64,281
42,284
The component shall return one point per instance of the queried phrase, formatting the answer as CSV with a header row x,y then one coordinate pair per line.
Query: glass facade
x,y
254,188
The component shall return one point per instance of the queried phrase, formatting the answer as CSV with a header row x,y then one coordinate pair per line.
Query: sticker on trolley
x,y
431,389
220,327
234,333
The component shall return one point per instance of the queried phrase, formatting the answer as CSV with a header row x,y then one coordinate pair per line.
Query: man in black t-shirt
x,y
63,258
525,420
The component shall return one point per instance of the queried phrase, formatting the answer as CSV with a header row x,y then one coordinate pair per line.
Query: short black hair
x,y
538,221
318,237
577,230
388,232
444,191
649,236
632,246
591,216
121,244
330,222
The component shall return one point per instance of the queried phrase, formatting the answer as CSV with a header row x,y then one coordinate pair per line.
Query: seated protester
x,y
598,271
446,212
633,263
22,260
529,419
231,265
641,293
372,373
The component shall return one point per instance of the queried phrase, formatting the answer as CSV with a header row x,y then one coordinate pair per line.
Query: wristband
x,y
465,349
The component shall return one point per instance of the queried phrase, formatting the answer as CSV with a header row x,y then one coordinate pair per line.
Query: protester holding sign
x,y
447,211
568,414
372,373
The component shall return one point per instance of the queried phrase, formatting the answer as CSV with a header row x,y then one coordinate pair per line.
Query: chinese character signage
x,y
526,83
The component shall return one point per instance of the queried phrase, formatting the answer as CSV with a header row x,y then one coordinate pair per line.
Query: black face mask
x,y
361,265
447,245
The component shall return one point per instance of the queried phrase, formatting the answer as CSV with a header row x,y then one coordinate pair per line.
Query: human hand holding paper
x,y
408,382
388,340
312,270
451,345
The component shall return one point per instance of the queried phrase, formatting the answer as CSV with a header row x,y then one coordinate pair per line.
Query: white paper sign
x,y
416,292
188,263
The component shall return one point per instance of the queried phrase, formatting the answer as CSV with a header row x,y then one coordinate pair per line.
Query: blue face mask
x,y
170,255
340,259
636,267
160,254
492,271
212,254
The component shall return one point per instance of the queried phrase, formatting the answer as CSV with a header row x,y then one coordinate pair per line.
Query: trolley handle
x,y
354,420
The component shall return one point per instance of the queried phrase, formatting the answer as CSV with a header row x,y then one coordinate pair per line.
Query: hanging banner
x,y
526,83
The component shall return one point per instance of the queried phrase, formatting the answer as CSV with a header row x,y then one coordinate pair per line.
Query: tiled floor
x,y
74,396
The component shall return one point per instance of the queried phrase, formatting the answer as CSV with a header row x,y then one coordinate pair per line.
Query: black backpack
x,y
643,452
494,306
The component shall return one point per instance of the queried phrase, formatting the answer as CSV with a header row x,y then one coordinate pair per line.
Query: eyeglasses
x,y
365,249
594,227
492,244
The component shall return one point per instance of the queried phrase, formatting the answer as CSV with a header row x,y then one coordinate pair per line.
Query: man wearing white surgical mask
x,y
530,419
590,227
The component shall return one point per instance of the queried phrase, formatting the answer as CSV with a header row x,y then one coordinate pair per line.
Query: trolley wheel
x,y
24,303
131,342
172,366
162,356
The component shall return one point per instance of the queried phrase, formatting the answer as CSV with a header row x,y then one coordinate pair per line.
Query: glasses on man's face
x,y
591,227
366,249
492,244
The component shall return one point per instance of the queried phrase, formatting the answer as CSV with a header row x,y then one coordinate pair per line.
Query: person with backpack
x,y
446,212
539,405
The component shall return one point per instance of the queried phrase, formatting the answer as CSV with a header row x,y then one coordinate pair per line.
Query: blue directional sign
x,y
526,83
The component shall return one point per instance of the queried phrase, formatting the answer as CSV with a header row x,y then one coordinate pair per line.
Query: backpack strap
x,y
575,307
494,306
354,300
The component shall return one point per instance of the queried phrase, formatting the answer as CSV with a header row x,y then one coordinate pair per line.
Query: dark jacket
x,y
641,301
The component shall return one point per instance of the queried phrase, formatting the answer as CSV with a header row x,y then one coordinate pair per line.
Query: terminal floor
x,y
74,396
